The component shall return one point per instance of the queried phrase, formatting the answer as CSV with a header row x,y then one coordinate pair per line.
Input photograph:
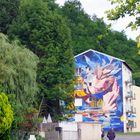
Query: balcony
x,y
130,124
130,110
134,96
128,82
129,94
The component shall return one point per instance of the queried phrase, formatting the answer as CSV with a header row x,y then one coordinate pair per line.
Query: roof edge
x,y
123,61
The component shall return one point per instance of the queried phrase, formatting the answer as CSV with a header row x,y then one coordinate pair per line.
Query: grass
x,y
129,133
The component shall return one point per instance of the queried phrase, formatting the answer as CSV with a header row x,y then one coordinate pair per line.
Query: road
x,y
125,137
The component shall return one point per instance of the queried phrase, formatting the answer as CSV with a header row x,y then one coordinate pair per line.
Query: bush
x,y
6,117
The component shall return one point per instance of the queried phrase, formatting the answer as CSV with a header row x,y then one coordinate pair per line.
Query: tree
x,y
92,33
9,10
123,8
87,32
45,33
6,117
18,66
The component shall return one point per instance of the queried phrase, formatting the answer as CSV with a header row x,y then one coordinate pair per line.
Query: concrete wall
x,y
89,131
136,105
69,130
48,130
80,131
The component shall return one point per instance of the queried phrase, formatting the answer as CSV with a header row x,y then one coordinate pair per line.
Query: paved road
x,y
127,138
119,137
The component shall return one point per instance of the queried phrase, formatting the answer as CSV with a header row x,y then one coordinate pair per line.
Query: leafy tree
x,y
9,10
18,67
52,5
17,70
92,33
123,8
45,33
87,32
6,117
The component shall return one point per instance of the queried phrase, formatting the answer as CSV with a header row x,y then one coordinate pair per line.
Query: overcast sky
x,y
98,7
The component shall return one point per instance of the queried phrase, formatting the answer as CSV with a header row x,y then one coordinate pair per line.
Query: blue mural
x,y
99,87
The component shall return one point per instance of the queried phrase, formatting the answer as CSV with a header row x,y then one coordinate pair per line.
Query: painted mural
x,y
98,89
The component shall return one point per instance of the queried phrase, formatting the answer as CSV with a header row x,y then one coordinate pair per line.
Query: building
x,y
103,91
128,112
136,110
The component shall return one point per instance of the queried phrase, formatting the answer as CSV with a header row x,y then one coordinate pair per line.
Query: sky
x,y
98,7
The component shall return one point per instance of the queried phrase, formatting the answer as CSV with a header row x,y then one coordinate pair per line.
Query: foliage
x,y
39,137
6,135
138,43
9,10
45,33
123,8
92,33
87,32
54,33
6,115
18,67
17,73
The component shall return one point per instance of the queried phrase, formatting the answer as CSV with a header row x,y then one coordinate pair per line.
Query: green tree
x,y
123,8
92,33
87,32
45,33
18,66
9,10
6,117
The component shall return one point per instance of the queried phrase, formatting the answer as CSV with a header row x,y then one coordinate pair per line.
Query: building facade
x,y
103,91
128,112
136,106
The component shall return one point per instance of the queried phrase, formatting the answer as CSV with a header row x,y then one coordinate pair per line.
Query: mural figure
x,y
99,85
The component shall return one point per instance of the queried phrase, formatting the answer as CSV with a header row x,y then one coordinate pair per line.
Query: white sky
x,y
98,7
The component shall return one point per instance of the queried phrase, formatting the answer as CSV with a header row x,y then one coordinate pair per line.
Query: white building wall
x,y
69,130
127,91
136,105
90,131
80,131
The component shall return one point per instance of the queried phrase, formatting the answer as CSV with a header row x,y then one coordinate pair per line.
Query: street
x,y
125,137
